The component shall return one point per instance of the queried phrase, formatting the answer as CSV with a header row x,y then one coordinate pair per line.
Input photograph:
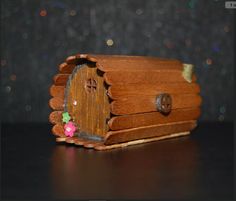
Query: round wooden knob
x,y
164,103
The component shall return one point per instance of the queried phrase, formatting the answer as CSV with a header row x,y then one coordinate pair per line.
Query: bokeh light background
x,y
37,35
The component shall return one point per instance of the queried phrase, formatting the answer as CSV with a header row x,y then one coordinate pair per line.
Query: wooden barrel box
x,y
111,101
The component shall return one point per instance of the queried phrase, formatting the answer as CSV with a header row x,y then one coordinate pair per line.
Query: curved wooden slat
x,y
101,147
57,91
58,130
121,91
88,57
61,79
66,68
127,57
56,117
152,118
117,62
71,140
92,144
61,139
113,137
56,103
80,141
133,105
71,60
145,77
127,63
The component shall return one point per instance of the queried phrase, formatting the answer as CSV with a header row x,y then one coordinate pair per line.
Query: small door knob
x,y
164,103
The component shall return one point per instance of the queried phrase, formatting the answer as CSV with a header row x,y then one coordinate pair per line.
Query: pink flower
x,y
69,129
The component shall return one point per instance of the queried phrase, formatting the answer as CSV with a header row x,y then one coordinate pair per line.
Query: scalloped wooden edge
x,y
99,146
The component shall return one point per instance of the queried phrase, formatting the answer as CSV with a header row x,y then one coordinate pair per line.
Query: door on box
x,y
87,101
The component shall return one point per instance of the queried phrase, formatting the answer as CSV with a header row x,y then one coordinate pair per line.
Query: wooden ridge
x,y
57,91
58,130
121,91
101,147
137,63
87,143
72,60
65,68
145,77
133,105
56,103
125,135
71,140
56,117
80,141
61,79
152,118
108,58
107,63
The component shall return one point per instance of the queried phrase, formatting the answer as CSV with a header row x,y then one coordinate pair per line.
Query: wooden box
x,y
105,101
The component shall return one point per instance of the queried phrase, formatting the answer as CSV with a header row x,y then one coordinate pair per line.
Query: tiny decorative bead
x,y
74,102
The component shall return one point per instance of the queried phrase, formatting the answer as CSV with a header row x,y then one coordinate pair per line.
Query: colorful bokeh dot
x,y
3,62
110,42
226,28
43,13
13,77
209,61
72,13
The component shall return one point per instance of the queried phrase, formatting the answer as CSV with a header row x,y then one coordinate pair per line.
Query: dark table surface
x,y
199,166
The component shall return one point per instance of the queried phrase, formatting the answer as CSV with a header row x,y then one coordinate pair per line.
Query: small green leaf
x,y
65,117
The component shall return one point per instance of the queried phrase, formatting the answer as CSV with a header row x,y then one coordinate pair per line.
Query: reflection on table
x,y
157,168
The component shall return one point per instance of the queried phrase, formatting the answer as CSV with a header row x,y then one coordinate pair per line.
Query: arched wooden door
x,y
86,100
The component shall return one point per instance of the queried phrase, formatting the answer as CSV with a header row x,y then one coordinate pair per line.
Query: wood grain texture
x,y
152,118
58,130
136,63
60,79
57,91
145,77
107,63
139,104
80,141
109,57
125,90
92,107
125,135
56,103
56,117
66,68
102,147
